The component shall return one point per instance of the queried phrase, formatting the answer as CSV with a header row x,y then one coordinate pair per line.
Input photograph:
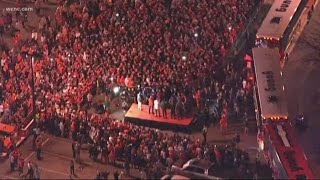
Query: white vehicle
x,y
280,24
196,169
174,177
269,92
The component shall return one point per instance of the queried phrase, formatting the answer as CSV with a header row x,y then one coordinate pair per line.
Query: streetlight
x,y
116,90
33,89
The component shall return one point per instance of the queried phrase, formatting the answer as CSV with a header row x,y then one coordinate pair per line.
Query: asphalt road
x,y
57,154
302,82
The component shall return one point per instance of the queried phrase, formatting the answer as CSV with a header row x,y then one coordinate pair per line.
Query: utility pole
x,y
33,90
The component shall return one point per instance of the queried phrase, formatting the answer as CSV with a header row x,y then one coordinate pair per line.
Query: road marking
x,y
31,154
45,142
53,171
58,155
61,140
27,127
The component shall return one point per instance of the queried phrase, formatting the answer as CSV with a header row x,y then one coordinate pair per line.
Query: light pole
x,y
33,90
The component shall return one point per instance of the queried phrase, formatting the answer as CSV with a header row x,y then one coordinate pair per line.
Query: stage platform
x,y
143,118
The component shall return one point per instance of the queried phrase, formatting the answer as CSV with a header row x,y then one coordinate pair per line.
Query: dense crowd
x,y
151,44
165,49
113,142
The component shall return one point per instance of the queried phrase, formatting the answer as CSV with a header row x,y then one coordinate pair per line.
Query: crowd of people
x,y
153,45
17,163
165,49
151,151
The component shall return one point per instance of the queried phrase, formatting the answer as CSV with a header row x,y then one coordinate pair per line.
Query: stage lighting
x,y
117,14
116,90
196,35
184,57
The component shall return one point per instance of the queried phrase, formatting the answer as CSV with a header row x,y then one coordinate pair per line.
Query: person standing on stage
x,y
156,107
172,103
139,99
179,108
151,105
163,105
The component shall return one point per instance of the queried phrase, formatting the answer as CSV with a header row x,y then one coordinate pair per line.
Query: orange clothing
x,y
19,57
4,55
223,122
8,86
5,67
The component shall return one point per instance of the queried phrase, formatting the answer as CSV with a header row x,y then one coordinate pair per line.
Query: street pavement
x,y
57,154
302,82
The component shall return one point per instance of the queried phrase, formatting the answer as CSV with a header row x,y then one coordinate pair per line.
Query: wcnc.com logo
x,y
13,9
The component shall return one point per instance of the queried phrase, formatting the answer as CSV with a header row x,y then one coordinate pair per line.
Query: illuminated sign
x,y
284,6
270,81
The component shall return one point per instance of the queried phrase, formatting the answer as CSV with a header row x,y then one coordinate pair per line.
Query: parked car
x,y
196,169
174,177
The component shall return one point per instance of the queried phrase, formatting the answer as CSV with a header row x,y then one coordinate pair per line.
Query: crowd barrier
x,y
241,38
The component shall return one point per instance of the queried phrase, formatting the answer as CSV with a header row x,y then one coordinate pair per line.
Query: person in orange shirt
x,y
223,124
151,102
197,98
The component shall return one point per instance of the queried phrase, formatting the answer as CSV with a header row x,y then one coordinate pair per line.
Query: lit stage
x,y
143,118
